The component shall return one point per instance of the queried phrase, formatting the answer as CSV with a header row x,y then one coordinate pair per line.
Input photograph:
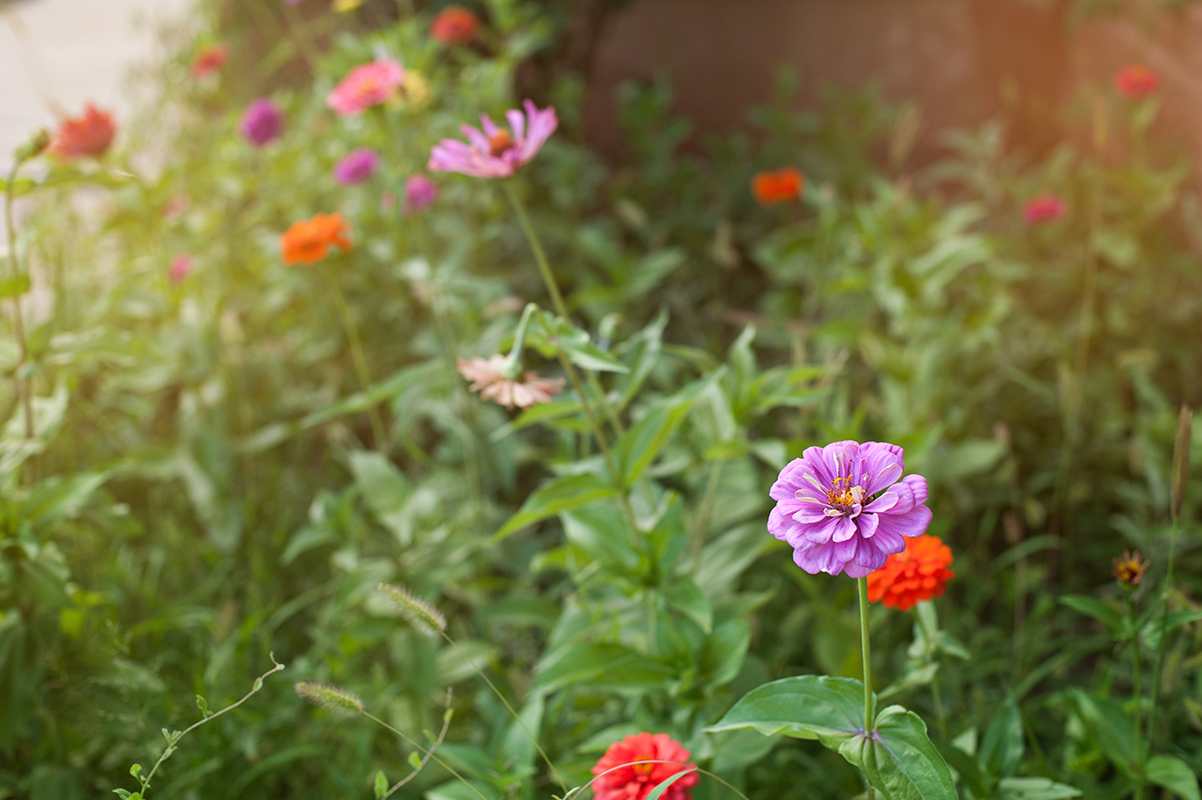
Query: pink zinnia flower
x,y
365,86
493,379
1043,208
629,768
842,509
420,192
1136,81
180,267
496,153
262,122
356,166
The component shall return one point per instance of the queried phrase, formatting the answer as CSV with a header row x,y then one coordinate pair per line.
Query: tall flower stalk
x,y
378,430
866,654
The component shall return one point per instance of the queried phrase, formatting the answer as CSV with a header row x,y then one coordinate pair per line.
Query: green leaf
x,y
1174,775
601,532
381,784
967,769
1110,726
386,491
1153,630
1002,745
805,706
14,286
593,664
723,652
658,791
683,594
556,496
1109,616
1035,789
641,444
899,759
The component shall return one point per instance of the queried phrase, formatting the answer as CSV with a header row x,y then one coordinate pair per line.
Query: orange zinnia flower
x,y
1136,81
209,59
917,573
782,186
89,134
454,25
308,241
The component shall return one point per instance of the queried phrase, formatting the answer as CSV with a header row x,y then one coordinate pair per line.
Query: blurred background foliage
x,y
205,488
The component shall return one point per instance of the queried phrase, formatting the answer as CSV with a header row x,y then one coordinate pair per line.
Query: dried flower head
x,y
491,378
1043,208
633,767
843,508
1136,81
454,25
494,152
335,698
366,85
780,186
421,615
917,573
308,241
1129,569
89,134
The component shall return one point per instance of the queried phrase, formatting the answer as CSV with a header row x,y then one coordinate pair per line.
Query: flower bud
x,y
33,146
1129,569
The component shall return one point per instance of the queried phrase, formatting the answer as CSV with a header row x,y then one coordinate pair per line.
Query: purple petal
x,y
867,524
517,121
881,466
488,126
912,523
845,530
478,139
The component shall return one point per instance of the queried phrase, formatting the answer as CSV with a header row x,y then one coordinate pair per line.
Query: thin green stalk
x,y
1137,691
1164,614
869,711
24,391
423,751
707,509
510,708
352,334
544,268
936,694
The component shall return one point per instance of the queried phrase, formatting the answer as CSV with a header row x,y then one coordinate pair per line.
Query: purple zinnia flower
x,y
842,508
262,122
420,192
356,166
496,153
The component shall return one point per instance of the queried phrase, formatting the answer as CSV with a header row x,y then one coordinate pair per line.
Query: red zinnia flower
x,y
1043,208
308,241
209,59
915,574
628,770
1136,81
454,25
89,134
782,186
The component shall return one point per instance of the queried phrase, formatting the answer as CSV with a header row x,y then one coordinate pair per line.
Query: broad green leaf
x,y
13,286
381,786
641,444
723,652
966,767
556,496
542,413
1174,775
601,532
1110,725
805,706
1002,745
899,760
385,489
1109,616
1035,789
683,594
658,791
590,664
1153,630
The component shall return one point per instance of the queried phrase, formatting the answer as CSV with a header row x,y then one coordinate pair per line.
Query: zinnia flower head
x,y
1129,569
420,192
780,186
89,134
454,25
842,508
496,152
1136,81
1043,208
180,268
262,122
356,166
495,380
915,574
308,241
365,86
209,59
628,770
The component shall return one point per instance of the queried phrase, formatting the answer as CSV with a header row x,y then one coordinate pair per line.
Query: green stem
x,y
360,362
869,711
544,268
1164,614
423,751
24,391
1138,696
936,694
707,509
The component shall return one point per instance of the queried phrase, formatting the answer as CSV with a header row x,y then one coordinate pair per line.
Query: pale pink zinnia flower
x,y
365,86
496,152
490,377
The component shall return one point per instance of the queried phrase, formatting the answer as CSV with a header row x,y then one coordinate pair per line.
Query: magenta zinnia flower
x,y
365,86
1043,208
356,166
842,508
262,122
496,152
420,192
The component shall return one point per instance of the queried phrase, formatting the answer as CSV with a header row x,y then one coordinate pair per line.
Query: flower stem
x,y
24,390
424,752
869,711
1136,690
544,268
1164,614
352,336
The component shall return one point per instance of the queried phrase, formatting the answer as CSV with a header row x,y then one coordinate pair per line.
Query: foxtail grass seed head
x,y
421,615
334,698
1185,426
